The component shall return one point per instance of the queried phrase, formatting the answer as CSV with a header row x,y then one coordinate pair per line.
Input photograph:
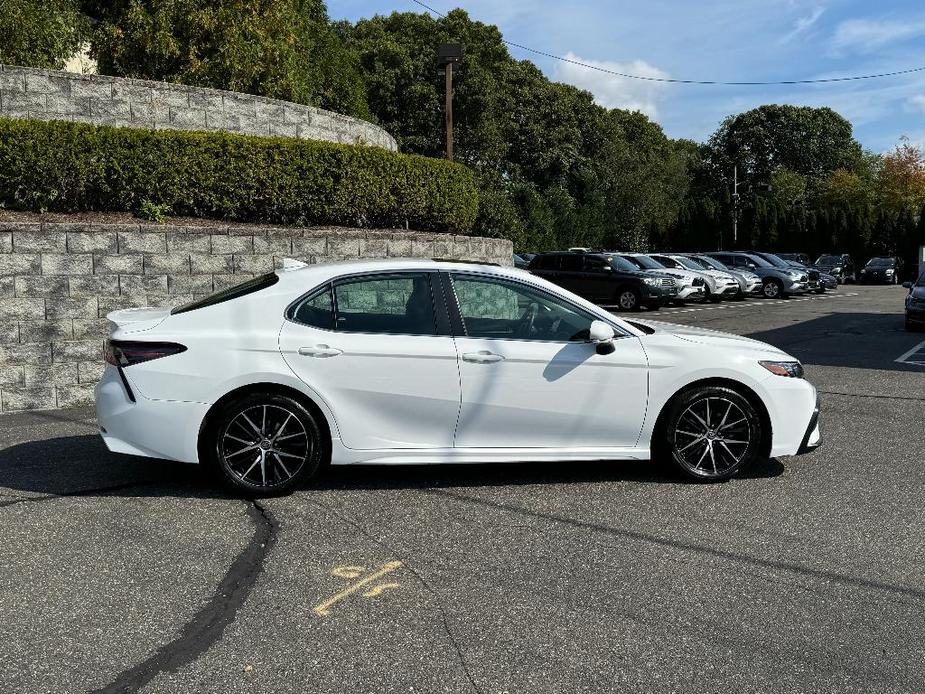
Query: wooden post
x,y
449,111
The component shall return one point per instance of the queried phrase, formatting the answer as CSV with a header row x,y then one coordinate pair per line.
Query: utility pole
x,y
449,111
449,57
735,206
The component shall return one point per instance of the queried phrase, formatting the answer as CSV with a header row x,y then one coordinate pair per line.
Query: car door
x,y
375,348
529,378
598,278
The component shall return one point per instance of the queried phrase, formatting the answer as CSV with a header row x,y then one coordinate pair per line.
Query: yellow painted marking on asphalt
x,y
324,608
376,591
348,571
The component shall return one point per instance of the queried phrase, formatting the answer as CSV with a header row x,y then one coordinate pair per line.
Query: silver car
x,y
749,282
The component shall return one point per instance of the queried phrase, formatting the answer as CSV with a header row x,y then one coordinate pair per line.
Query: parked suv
x,y
915,304
720,284
605,278
812,275
691,285
839,265
882,270
776,282
749,282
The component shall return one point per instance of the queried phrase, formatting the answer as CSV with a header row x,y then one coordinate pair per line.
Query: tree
x,y
812,142
40,33
901,181
285,49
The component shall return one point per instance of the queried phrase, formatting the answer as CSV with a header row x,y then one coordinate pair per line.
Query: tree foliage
x,y
285,49
40,33
554,168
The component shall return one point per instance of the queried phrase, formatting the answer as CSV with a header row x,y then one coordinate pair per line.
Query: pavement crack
x,y
78,492
209,623
423,581
875,396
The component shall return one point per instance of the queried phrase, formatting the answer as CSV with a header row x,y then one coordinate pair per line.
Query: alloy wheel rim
x,y
712,436
770,290
627,300
265,445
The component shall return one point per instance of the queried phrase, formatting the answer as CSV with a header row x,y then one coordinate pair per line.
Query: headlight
x,y
836,270
653,281
889,271
788,369
794,275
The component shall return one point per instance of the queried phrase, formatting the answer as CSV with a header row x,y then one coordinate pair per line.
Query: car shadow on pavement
x,y
514,474
82,466
850,340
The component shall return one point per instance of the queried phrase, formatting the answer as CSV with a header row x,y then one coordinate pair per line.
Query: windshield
x,y
688,263
758,260
775,261
249,287
622,264
829,260
880,262
668,262
700,263
711,262
645,262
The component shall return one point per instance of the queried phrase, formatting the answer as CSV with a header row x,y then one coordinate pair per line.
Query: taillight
x,y
121,353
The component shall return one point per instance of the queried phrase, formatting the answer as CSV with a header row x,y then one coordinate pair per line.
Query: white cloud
x,y
870,34
803,24
918,102
612,91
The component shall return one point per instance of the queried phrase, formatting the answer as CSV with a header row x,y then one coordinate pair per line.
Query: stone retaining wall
x,y
102,100
59,280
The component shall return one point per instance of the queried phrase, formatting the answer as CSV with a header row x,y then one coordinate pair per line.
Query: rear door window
x,y
399,304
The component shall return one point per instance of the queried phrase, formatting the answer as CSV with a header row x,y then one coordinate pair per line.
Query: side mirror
x,y
907,285
601,334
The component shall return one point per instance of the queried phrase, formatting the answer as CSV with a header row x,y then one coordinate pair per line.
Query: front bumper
x,y
690,292
798,288
915,315
813,437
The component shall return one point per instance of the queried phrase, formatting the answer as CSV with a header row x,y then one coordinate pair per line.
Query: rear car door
x,y
379,353
529,378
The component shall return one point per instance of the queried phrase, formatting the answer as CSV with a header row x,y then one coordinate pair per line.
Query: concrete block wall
x,y
59,280
102,100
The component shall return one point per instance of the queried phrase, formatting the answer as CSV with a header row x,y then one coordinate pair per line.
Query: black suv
x,y
882,270
839,265
605,279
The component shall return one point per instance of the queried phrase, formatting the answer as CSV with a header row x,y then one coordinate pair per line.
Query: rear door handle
x,y
482,357
320,351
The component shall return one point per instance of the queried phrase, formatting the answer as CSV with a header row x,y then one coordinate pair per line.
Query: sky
x,y
721,40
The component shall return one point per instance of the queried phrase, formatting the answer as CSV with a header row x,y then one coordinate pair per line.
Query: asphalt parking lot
x,y
804,575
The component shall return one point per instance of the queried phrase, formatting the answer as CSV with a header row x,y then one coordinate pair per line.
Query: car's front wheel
x,y
264,444
711,433
628,299
773,289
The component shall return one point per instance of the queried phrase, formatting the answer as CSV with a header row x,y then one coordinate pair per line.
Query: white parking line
x,y
764,302
918,352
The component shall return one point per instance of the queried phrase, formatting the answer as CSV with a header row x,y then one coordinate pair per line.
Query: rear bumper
x,y
151,428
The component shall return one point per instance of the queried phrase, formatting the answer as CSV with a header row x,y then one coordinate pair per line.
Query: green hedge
x,y
71,167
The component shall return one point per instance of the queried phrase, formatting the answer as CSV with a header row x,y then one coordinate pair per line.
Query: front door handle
x,y
320,351
482,357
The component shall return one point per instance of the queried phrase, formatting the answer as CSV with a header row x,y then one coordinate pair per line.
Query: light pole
x,y
735,206
449,57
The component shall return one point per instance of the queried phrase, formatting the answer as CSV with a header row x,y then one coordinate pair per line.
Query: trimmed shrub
x,y
73,167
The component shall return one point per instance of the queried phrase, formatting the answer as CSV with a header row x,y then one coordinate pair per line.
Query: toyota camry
x,y
420,361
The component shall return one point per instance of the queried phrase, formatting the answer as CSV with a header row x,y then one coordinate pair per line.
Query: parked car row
x,y
631,281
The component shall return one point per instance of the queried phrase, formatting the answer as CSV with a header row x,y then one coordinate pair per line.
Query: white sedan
x,y
419,361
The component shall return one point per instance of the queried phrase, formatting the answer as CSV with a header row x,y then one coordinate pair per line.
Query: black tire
x,y
772,289
278,431
628,299
713,453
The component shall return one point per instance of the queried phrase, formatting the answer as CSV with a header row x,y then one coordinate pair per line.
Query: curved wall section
x,y
102,100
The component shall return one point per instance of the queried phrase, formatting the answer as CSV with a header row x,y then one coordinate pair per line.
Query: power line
x,y
670,80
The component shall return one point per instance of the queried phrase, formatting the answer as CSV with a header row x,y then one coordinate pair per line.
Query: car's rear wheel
x,y
772,289
711,433
628,299
265,443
